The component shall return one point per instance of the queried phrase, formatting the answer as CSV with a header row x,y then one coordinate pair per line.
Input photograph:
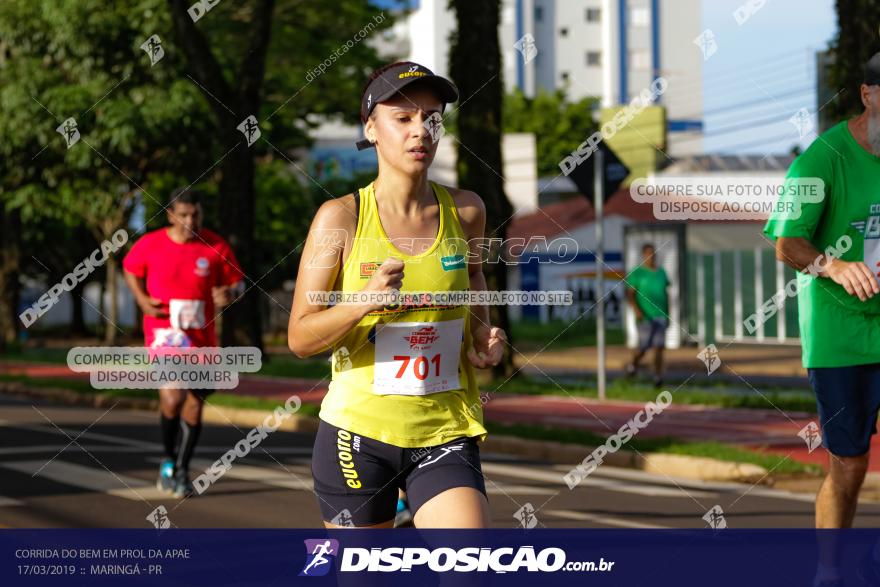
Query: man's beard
x,y
874,134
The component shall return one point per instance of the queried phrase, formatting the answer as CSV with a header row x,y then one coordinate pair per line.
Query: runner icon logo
x,y
343,518
153,48
341,359
159,518
69,131
526,516
250,129
320,554
715,518
710,358
811,435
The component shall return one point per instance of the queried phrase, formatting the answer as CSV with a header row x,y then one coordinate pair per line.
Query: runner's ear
x,y
370,130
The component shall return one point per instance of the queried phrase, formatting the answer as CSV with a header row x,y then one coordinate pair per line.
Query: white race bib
x,y
872,245
417,358
187,314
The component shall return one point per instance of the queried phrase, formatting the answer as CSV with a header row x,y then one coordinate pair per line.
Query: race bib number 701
x,y
417,358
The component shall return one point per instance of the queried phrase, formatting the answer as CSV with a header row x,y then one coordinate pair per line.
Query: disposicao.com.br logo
x,y
321,554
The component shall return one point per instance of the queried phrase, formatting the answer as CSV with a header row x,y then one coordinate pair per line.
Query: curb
x,y
670,465
688,467
211,415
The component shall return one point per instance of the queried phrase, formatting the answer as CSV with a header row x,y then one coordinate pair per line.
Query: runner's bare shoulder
x,y
335,220
470,206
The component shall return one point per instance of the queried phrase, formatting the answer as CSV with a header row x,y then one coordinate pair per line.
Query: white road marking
x,y
599,519
90,478
501,488
299,477
592,481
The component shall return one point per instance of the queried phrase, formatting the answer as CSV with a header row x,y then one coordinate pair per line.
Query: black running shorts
x,y
357,478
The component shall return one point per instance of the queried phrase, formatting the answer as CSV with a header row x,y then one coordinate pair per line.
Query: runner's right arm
x,y
149,305
855,277
314,328
631,297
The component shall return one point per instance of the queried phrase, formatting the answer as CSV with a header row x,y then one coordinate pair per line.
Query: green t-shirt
x,y
650,287
837,329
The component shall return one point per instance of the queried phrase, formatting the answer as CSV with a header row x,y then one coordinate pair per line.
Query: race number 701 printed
x,y
417,358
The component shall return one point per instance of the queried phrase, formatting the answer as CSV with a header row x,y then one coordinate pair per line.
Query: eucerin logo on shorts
x,y
343,446
422,338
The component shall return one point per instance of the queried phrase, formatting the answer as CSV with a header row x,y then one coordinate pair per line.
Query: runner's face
x,y
648,256
398,127
185,219
872,101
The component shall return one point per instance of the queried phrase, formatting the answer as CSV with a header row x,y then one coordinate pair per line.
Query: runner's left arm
x,y
231,279
488,347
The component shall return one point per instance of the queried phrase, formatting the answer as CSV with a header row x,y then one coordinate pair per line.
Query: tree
x,y
295,38
855,43
76,60
479,126
559,126
146,129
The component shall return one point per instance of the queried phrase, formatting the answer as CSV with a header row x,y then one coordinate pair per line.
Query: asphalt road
x,y
63,467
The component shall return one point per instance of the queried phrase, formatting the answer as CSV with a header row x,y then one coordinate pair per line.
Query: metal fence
x,y
726,287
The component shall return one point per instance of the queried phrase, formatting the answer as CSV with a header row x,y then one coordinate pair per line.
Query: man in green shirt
x,y
837,297
647,296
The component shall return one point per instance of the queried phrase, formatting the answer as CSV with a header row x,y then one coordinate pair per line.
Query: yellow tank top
x,y
402,376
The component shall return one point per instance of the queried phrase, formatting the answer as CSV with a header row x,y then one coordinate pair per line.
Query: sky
x,y
762,73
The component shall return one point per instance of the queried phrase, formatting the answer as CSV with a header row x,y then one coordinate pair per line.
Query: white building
x,y
611,49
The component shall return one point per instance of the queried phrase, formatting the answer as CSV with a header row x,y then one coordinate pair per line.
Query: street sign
x,y
615,171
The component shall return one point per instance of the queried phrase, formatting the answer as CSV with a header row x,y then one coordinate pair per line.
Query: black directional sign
x,y
614,173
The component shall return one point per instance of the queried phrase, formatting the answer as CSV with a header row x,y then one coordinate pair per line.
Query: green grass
x,y
787,400
228,400
290,366
275,365
40,355
530,335
780,465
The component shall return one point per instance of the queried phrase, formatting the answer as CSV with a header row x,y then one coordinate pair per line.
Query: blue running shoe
x,y
182,485
404,516
165,482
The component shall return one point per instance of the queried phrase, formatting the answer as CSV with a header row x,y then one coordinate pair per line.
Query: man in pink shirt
x,y
180,275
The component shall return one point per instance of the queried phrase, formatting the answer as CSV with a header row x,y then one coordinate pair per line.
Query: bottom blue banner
x,y
619,558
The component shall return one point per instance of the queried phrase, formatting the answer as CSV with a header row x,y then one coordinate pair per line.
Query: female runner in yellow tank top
x,y
403,411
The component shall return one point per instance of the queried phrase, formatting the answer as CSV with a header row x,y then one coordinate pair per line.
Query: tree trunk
x,y
241,321
479,132
231,105
10,288
856,42
77,319
112,330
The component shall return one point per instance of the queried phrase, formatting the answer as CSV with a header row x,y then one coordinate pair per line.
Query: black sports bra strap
x,y
357,204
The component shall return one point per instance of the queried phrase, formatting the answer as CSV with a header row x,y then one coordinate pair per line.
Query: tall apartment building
x,y
610,49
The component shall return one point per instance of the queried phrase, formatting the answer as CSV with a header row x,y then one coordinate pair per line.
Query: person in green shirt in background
x,y
647,296
838,305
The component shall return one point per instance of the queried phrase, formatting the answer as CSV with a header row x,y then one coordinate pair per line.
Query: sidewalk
x,y
744,365
771,429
